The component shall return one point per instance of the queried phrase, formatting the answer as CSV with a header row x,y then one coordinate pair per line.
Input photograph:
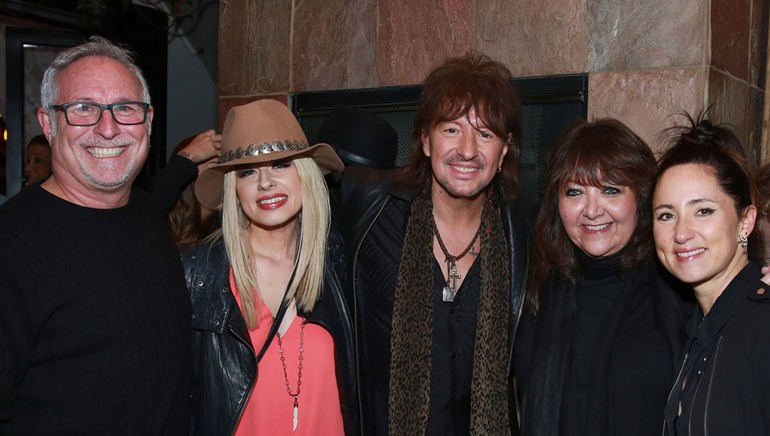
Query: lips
x,y
685,255
272,202
465,169
105,151
596,228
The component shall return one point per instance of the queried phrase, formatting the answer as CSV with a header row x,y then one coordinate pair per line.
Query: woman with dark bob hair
x,y
703,217
601,355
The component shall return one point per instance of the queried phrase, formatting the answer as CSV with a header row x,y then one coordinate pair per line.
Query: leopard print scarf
x,y
412,328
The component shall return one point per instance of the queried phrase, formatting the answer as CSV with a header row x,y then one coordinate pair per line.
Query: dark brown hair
x,y
473,81
594,153
715,146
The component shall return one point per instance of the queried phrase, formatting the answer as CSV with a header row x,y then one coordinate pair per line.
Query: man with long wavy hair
x,y
439,260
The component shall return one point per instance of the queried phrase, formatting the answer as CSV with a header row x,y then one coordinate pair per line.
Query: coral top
x,y
269,410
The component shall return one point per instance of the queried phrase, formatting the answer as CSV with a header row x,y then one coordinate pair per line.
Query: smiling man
x,y
94,313
439,262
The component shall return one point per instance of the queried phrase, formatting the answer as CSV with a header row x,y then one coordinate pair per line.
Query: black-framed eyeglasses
x,y
88,113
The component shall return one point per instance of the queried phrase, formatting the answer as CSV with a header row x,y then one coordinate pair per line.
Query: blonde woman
x,y
272,338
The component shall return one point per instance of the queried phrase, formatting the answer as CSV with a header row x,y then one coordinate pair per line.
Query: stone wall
x,y
646,60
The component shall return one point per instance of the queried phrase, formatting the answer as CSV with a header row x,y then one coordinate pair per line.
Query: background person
x,y
610,329
257,371
94,314
190,221
365,143
37,160
703,222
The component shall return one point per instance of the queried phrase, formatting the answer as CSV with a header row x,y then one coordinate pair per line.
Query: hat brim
x,y
209,186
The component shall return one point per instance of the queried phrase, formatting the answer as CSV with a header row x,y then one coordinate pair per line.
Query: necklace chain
x,y
299,370
449,257
448,294
299,366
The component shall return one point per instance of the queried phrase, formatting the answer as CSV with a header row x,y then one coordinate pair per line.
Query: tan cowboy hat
x,y
258,132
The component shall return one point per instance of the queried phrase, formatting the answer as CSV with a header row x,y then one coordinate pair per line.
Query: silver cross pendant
x,y
448,295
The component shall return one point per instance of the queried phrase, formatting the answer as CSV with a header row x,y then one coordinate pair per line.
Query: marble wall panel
x,y
730,36
732,102
415,36
633,34
646,100
533,38
335,45
755,125
758,42
254,47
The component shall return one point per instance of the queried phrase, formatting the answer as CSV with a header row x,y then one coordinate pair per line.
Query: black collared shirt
x,y
454,329
454,336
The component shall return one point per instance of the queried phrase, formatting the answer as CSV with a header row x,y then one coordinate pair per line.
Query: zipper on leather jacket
x,y
253,384
515,415
355,310
677,382
713,363
518,317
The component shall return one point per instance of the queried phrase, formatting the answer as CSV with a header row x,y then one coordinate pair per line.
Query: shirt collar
x,y
705,329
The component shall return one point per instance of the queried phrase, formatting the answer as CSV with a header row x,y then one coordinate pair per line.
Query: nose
x,y
468,147
593,208
107,127
682,231
265,179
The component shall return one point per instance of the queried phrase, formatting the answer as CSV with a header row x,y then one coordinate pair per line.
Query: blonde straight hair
x,y
314,220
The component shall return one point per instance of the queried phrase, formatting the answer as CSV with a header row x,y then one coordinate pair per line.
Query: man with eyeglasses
x,y
94,314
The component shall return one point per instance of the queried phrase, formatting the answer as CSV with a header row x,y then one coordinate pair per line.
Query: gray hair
x,y
96,46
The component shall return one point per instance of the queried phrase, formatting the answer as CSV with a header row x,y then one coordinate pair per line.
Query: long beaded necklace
x,y
295,419
450,290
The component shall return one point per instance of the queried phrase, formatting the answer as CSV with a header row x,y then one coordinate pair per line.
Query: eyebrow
x,y
689,203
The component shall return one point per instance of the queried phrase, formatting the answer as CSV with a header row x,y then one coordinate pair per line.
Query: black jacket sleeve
x,y
169,182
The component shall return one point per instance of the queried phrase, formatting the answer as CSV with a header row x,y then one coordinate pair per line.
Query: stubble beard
x,y
473,193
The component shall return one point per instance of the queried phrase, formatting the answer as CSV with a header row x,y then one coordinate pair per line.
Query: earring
x,y
744,240
242,221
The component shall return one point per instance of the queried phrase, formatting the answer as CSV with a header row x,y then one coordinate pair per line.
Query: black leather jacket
x,y
728,353
362,210
224,361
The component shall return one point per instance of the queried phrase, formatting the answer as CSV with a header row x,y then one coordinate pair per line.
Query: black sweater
x,y
614,383
94,319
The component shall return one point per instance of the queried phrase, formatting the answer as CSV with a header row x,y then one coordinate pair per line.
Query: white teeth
x,y
691,253
272,200
599,227
104,152
465,169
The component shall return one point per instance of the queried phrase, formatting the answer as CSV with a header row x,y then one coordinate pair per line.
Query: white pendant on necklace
x,y
296,415
448,295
